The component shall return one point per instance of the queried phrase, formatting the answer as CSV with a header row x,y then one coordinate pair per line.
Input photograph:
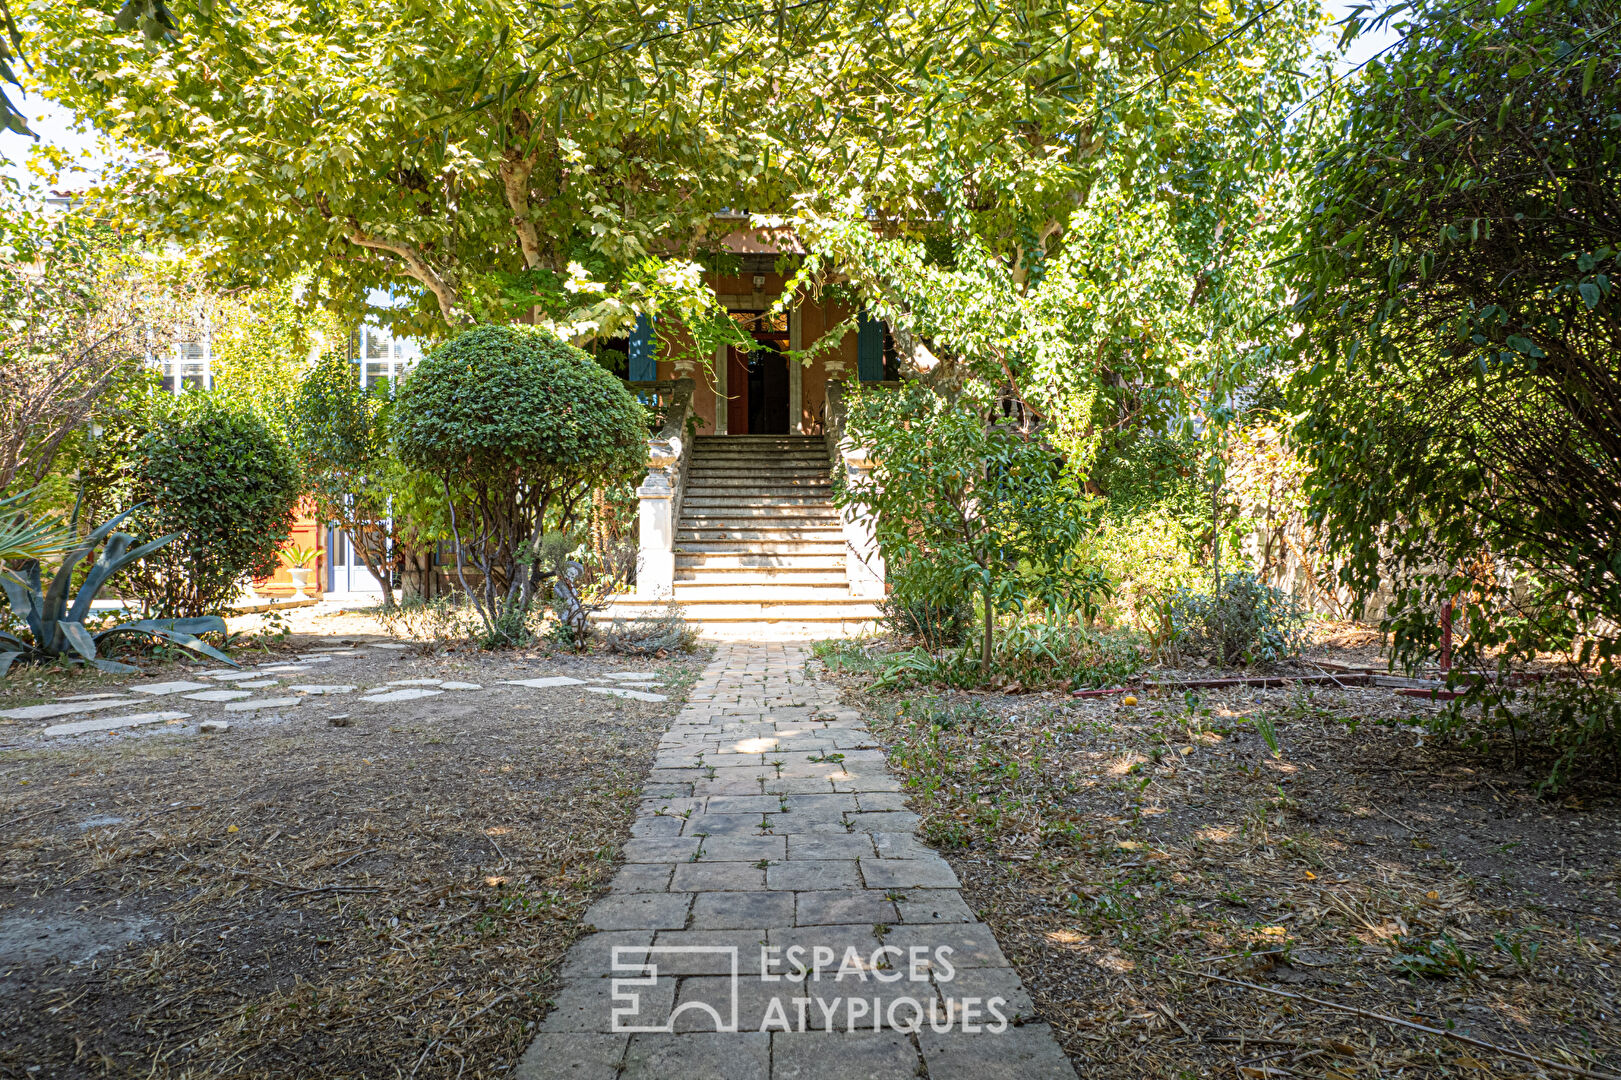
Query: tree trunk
x,y
990,624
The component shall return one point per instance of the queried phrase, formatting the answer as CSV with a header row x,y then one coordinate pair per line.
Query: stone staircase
x,y
759,549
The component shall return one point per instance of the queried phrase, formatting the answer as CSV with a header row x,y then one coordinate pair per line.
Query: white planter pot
x,y
301,578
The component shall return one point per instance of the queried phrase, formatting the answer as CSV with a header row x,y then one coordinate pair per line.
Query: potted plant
x,y
300,562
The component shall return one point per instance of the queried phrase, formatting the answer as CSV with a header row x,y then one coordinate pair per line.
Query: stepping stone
x,y
416,682
258,684
616,691
90,697
283,669
100,821
386,645
316,688
216,672
642,675
219,695
460,686
236,676
407,694
113,723
263,703
159,689
49,712
315,659
540,684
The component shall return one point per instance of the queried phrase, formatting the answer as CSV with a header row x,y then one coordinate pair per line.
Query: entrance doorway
x,y
757,378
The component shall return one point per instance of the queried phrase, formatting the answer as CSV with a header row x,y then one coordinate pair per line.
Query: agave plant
x,y
57,624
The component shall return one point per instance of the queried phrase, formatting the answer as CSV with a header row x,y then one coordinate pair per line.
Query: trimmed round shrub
x,y
522,427
211,471
513,405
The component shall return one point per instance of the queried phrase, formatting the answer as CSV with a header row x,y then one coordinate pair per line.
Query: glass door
x,y
346,570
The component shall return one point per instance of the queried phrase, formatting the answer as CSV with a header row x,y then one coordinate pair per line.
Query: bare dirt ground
x,y
294,898
1127,856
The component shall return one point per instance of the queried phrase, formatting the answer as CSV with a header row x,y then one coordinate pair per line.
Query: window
x,y
187,364
382,358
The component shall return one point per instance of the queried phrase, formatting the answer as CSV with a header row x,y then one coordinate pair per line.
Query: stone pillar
x,y
863,563
655,570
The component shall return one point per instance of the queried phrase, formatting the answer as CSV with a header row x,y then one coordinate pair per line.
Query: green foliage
x,y
212,474
260,344
1045,652
1143,555
519,428
56,616
964,504
1463,399
917,612
1434,958
1247,621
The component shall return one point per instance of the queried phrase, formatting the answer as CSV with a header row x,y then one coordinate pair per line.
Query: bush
x,y
965,502
937,621
524,427
208,469
1248,621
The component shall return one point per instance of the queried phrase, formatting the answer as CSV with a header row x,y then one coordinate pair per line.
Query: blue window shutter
x,y
643,365
869,348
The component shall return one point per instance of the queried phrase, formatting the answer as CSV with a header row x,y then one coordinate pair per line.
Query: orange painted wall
x,y
307,532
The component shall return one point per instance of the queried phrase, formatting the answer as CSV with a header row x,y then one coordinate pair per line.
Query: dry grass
x,y
1124,853
385,899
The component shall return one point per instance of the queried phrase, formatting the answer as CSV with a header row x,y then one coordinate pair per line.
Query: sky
x,y
54,124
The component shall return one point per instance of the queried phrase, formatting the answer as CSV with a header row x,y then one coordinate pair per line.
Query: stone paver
x,y
775,871
83,727
67,708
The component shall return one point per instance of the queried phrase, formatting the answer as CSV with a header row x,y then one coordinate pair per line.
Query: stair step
x,y
761,547
745,517
761,575
762,482
806,458
692,592
709,560
825,534
707,473
705,501
768,611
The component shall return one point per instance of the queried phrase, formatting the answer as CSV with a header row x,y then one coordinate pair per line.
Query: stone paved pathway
x,y
778,919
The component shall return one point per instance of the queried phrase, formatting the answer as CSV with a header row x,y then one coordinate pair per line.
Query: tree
x,y
82,311
472,154
1143,295
525,426
963,502
341,432
1463,396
